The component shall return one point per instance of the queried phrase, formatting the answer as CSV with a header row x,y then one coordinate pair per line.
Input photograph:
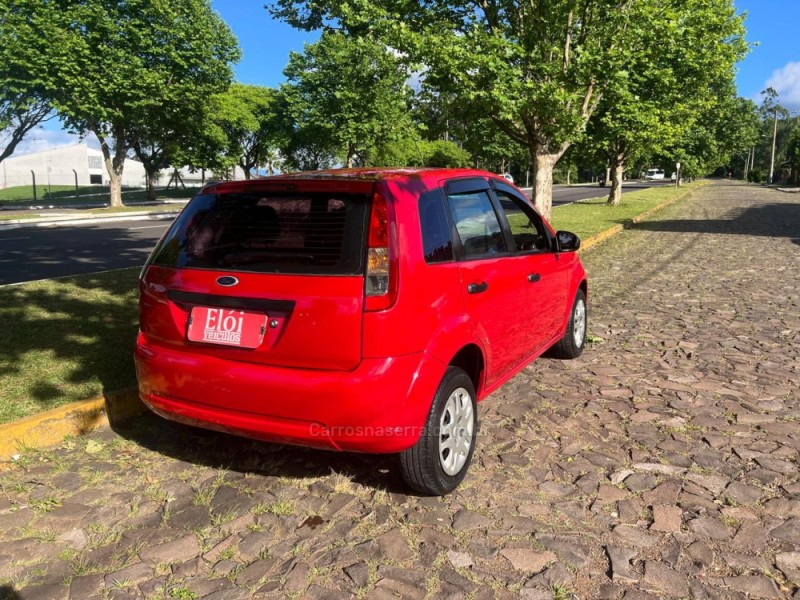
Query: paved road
x,y
33,253
563,194
662,463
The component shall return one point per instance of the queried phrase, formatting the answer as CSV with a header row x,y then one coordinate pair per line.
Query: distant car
x,y
508,177
654,174
362,310
674,176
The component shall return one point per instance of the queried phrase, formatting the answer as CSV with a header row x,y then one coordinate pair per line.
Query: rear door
x,y
493,280
546,273
268,272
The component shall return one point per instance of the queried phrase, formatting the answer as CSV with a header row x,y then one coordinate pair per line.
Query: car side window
x,y
477,224
527,228
436,243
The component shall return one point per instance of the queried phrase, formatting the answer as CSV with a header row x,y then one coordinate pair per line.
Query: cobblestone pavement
x,y
663,463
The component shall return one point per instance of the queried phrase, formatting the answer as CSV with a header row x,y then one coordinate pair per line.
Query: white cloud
x,y
786,81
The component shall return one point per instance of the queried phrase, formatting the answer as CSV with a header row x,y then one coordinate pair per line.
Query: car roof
x,y
387,173
429,176
360,180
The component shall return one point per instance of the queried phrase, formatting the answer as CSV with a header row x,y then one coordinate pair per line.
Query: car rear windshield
x,y
264,232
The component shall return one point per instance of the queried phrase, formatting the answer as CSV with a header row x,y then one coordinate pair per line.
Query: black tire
x,y
421,465
568,347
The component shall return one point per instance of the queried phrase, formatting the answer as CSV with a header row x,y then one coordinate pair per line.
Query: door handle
x,y
534,277
477,288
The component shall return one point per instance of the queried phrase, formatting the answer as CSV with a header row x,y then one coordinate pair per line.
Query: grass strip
x,y
591,217
66,339
65,194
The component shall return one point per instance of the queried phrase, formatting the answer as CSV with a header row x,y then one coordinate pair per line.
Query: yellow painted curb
x,y
76,418
612,231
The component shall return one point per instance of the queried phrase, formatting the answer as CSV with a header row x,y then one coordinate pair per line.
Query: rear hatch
x,y
268,272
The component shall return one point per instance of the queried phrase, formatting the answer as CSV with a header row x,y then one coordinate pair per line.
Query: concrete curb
x,y
81,417
51,427
70,220
601,237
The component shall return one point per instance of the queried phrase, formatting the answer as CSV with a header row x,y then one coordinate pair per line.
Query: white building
x,y
61,166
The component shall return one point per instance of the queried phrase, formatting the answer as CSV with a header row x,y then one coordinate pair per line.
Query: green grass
x,y
93,194
589,217
69,339
63,340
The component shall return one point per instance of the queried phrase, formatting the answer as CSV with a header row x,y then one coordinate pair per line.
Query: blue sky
x,y
773,24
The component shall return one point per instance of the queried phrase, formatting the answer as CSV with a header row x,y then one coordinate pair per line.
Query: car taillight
x,y
380,287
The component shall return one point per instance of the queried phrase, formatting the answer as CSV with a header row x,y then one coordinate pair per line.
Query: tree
x,y
350,91
18,116
444,154
534,68
249,117
309,148
410,152
107,66
538,69
682,59
726,127
21,110
793,151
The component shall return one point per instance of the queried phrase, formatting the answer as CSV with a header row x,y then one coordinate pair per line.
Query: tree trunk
x,y
615,195
543,181
152,180
114,166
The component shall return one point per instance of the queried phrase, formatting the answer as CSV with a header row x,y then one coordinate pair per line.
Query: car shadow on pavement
x,y
766,220
9,593
242,455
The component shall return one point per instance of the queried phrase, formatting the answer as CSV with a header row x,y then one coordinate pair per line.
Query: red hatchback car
x,y
361,310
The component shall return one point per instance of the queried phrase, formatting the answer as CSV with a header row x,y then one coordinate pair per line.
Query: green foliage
x,y
19,114
408,152
108,66
727,125
793,151
350,93
245,128
446,154
537,70
650,108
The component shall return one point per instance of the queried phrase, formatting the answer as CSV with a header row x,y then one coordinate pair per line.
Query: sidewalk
x,y
59,216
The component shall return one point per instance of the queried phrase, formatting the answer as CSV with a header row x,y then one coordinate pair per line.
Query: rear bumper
x,y
379,407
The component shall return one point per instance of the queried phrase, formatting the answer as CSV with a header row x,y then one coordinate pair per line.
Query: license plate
x,y
227,327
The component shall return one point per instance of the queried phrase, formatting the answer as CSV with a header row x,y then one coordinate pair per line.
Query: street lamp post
x,y
774,139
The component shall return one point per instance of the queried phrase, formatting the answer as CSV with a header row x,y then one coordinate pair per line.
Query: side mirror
x,y
567,241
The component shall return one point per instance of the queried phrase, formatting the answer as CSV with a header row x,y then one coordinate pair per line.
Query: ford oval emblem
x,y
227,281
